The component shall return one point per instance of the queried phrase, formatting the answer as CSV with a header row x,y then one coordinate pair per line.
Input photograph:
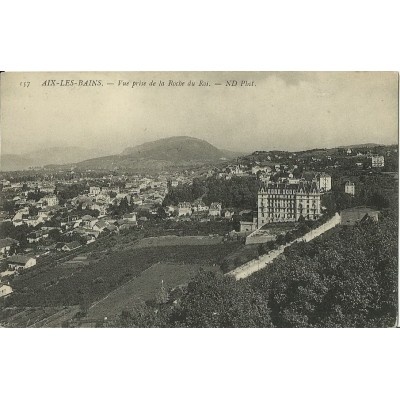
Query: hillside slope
x,y
53,155
177,148
177,151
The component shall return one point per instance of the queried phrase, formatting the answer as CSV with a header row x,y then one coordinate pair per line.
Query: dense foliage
x,y
68,192
185,193
237,192
210,301
347,278
19,233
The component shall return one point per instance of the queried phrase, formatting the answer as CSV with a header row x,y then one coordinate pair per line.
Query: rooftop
x,y
19,259
73,245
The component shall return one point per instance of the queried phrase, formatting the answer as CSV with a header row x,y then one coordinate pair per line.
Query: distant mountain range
x,y
359,146
53,155
164,154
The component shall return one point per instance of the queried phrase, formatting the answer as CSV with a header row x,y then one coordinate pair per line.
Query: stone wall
x,y
262,262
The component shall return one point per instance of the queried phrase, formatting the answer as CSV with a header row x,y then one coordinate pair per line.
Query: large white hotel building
x,y
285,202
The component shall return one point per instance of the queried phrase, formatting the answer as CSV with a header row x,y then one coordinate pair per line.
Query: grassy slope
x,y
146,287
68,286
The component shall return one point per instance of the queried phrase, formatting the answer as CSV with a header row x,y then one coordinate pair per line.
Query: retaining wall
x,y
261,262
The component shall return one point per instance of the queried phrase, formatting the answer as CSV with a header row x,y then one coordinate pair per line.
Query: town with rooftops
x,y
59,224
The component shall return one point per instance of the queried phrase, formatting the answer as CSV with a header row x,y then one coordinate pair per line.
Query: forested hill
x,y
177,148
238,192
241,192
347,278
179,151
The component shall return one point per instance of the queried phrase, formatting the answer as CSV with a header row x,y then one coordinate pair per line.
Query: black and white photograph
x,y
177,177
199,200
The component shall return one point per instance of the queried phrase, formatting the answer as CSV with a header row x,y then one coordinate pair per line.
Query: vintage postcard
x,y
199,199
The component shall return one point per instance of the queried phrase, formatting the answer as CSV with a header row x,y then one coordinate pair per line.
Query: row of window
x,y
280,191
286,217
288,198
289,214
285,208
280,202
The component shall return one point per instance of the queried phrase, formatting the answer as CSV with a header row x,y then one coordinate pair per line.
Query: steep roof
x,y
302,186
73,245
130,215
101,224
88,218
184,204
19,259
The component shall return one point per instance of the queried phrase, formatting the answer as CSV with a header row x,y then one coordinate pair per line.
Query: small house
x,y
21,262
131,217
71,246
99,226
228,214
184,208
215,209
350,188
6,244
5,290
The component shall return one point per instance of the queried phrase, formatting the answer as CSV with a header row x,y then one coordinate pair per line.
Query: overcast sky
x,y
288,111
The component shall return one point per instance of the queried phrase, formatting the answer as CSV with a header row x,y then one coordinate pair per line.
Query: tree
x,y
33,211
7,230
36,195
280,240
8,206
162,295
13,249
347,279
144,316
55,235
378,200
161,214
214,300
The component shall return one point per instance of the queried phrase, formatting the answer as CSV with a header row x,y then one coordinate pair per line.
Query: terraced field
x,y
37,317
114,279
146,287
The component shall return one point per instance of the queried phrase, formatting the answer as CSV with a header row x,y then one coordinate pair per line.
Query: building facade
x,y
94,191
284,202
5,290
378,161
215,209
184,208
325,182
248,226
21,262
350,188
5,246
51,200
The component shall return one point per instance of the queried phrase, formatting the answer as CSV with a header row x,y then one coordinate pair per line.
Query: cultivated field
x,y
37,317
146,287
118,275
178,241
